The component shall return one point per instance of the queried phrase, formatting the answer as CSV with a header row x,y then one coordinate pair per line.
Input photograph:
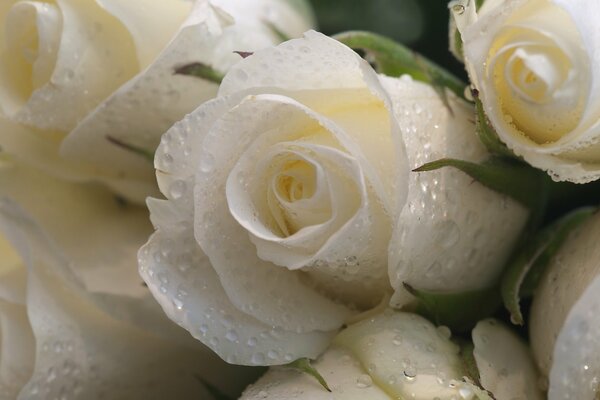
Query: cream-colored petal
x,y
83,352
185,284
505,365
298,307
453,234
152,24
28,47
405,355
41,150
342,372
575,373
95,57
76,214
564,283
563,315
17,349
140,111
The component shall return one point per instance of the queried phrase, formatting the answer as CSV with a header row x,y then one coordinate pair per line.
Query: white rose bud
x,y
76,322
403,356
75,73
286,193
564,322
536,66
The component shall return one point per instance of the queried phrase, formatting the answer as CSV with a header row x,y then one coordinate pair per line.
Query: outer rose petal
x,y
505,365
17,344
342,372
399,349
106,60
147,105
187,287
402,356
453,234
83,352
564,319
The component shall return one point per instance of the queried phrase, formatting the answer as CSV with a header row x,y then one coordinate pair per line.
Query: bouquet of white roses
x,y
192,191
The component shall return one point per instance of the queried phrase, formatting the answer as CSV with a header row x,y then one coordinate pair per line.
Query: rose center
x,y
296,194
535,74
295,182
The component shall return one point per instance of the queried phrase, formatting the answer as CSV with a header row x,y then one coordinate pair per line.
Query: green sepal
x,y
147,154
458,311
486,132
304,365
394,59
519,181
200,70
526,267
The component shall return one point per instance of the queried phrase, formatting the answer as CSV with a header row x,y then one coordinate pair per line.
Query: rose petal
x,y
453,234
342,372
106,59
17,345
83,352
40,149
151,24
566,279
405,355
298,307
140,111
575,373
107,262
187,287
505,365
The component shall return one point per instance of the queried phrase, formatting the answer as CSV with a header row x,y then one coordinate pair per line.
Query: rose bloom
x,y
290,206
404,356
564,322
536,65
74,73
75,320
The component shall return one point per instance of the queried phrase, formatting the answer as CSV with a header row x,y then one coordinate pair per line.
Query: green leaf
x,y
487,134
148,155
213,390
394,59
458,311
200,70
304,365
521,182
528,264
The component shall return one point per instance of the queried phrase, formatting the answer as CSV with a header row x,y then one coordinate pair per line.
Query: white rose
x,y
284,195
403,356
73,73
75,320
565,322
536,65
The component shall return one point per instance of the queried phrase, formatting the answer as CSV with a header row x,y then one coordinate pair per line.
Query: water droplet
x,y
207,162
231,335
258,359
177,189
364,381
397,341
